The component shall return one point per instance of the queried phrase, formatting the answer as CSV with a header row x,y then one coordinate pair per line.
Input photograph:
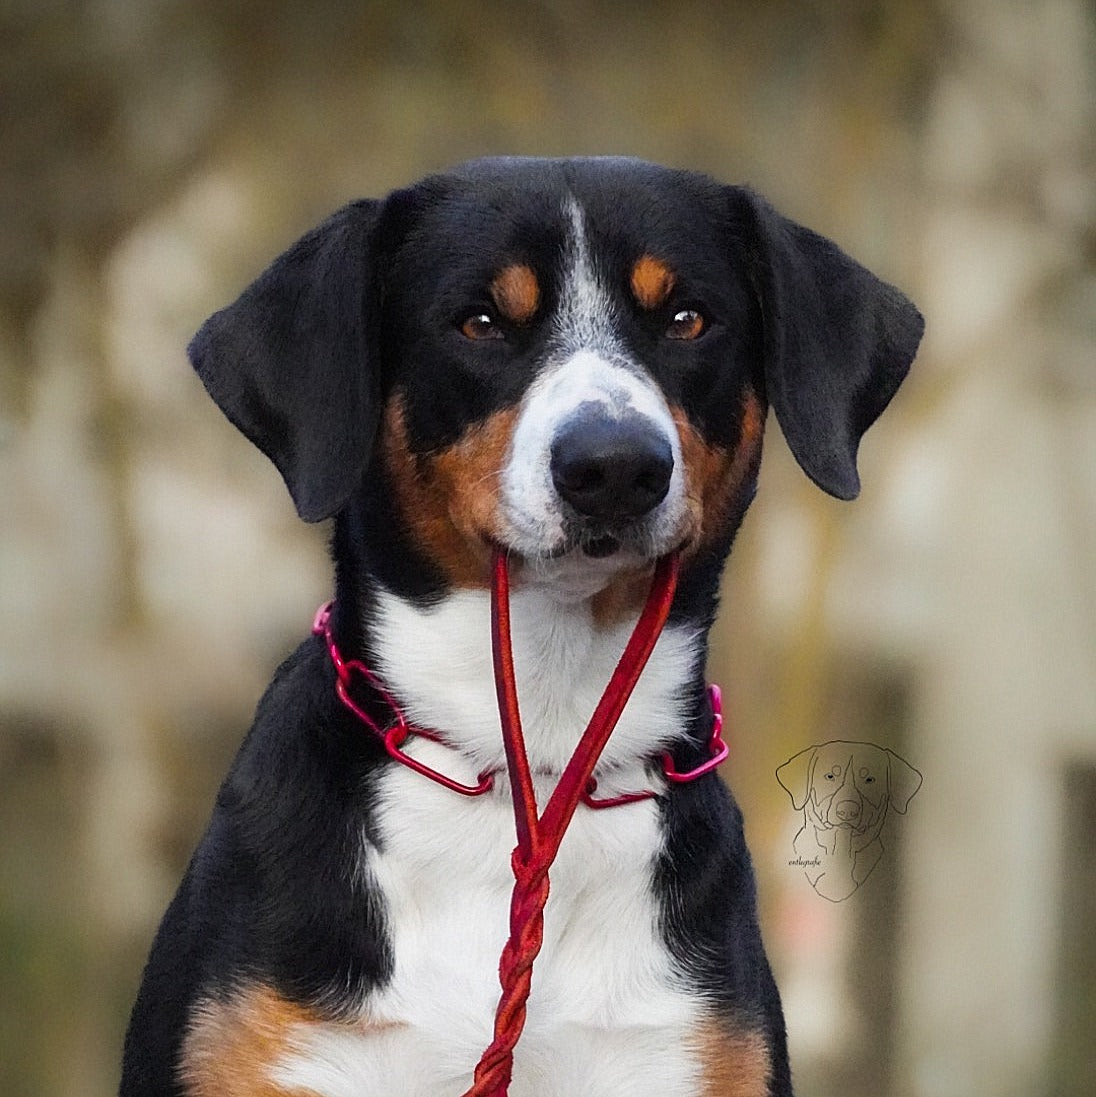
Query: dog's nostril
x,y
612,469
581,477
848,809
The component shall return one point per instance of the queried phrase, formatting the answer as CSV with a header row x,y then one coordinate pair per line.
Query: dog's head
x,y
849,785
572,359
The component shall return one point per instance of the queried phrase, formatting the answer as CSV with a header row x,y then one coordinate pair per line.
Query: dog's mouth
x,y
630,544
601,547
855,826
589,562
559,547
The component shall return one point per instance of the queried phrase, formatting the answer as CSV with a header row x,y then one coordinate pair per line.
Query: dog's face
x,y
577,380
849,785
570,359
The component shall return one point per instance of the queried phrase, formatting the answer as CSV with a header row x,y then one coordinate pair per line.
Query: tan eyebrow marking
x,y
516,292
652,280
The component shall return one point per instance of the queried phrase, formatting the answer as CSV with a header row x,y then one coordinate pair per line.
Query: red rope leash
x,y
539,838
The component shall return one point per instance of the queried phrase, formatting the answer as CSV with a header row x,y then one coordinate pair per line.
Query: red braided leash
x,y
539,838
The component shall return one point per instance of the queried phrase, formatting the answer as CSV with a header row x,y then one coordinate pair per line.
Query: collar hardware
x,y
394,737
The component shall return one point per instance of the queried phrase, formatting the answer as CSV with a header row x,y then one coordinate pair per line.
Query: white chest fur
x,y
607,1014
438,662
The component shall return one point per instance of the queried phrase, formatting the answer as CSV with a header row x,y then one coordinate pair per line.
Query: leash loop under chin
x,y
394,737
539,838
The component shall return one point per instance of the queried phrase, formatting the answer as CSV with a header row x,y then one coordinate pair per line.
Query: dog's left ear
x,y
837,340
903,781
290,361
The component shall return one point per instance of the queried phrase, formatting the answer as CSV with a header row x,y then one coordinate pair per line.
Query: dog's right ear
x,y
903,781
292,361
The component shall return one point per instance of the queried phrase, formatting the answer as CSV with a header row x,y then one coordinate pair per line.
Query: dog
x,y
844,791
570,361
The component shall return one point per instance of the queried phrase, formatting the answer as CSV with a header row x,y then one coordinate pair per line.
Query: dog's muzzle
x,y
595,466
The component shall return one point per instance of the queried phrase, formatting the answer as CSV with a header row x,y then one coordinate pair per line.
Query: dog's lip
x,y
601,547
596,545
595,548
513,553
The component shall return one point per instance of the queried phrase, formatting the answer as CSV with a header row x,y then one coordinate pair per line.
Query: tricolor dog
x,y
570,362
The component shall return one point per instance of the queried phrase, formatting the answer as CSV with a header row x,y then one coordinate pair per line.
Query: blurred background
x,y
156,154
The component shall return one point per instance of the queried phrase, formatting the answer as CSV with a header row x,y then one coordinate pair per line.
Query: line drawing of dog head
x,y
845,791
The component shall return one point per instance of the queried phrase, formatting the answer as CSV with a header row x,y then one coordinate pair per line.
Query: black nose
x,y
611,469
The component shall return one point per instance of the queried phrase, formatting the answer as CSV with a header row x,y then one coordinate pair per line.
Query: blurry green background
x,y
155,154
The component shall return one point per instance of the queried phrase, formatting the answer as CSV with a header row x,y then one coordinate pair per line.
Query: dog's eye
x,y
481,325
687,324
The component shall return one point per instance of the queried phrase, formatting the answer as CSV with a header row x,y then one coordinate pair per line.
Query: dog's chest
x,y
607,1013
606,1016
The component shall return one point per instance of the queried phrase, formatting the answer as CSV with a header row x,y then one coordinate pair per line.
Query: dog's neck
x,y
437,660
430,642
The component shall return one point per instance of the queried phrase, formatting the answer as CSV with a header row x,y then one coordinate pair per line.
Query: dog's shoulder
x,y
266,893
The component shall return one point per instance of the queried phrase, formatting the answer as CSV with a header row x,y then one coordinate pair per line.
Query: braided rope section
x,y
492,1076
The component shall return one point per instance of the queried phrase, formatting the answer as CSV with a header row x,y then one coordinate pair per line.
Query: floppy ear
x,y
837,341
904,781
795,776
291,361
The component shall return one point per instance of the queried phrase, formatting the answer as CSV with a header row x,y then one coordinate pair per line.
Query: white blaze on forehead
x,y
590,366
585,316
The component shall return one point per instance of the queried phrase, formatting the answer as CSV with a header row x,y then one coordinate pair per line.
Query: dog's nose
x,y
848,811
611,469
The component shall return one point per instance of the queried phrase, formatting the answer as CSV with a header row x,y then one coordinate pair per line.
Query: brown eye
x,y
481,326
687,324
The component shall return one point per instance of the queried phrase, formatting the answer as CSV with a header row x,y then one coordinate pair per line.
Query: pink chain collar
x,y
395,736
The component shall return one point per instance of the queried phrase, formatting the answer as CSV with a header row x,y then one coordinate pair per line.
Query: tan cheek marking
x,y
735,1064
231,1045
712,480
713,476
516,292
652,281
450,499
